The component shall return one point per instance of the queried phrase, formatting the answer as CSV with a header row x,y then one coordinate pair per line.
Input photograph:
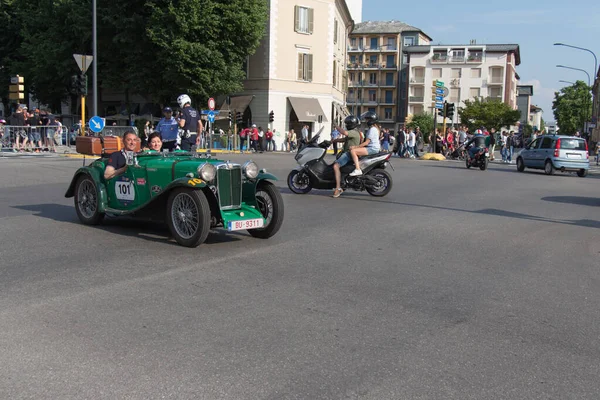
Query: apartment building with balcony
x,y
298,70
377,70
468,71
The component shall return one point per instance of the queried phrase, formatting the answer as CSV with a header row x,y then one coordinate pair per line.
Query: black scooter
x,y
313,171
480,159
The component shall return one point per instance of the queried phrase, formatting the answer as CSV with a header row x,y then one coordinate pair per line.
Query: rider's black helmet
x,y
369,117
351,122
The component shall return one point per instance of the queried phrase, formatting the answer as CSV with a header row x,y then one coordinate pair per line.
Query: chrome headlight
x,y
250,170
207,172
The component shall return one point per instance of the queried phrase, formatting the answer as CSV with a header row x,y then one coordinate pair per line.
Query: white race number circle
x,y
124,190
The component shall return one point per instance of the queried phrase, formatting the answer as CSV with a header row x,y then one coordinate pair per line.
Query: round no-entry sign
x,y
211,104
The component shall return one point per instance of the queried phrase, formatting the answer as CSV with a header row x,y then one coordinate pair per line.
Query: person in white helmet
x,y
190,123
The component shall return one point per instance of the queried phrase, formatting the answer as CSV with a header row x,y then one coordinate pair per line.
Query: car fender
x,y
249,187
194,183
95,175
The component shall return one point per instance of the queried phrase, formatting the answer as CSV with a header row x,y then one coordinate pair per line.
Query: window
x,y
373,78
455,73
475,72
496,92
474,92
546,143
304,18
387,113
391,43
305,67
371,109
352,59
372,61
436,73
372,95
359,94
374,43
454,95
409,41
360,43
496,75
353,42
389,96
352,76
458,55
335,31
390,61
334,73
404,58
389,79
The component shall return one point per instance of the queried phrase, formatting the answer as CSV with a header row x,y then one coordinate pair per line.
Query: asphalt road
x,y
460,284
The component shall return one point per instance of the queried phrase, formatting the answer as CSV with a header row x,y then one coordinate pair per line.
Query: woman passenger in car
x,y
155,141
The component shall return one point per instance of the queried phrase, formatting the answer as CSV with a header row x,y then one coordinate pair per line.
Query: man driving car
x,y
117,162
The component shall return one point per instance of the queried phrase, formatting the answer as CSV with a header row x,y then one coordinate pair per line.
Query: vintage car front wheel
x,y
87,201
188,216
270,204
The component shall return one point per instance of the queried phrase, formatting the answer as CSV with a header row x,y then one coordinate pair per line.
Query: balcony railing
x,y
355,48
474,59
388,84
495,81
387,101
417,80
415,99
457,59
439,59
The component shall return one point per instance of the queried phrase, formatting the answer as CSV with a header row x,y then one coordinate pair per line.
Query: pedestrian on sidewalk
x,y
492,144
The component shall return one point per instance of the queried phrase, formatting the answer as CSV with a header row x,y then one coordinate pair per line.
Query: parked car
x,y
555,152
191,193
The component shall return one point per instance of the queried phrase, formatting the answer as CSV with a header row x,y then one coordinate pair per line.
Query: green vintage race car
x,y
190,192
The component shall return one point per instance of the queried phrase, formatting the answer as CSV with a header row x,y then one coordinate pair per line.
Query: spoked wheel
x,y
298,182
188,216
87,201
383,185
270,204
520,165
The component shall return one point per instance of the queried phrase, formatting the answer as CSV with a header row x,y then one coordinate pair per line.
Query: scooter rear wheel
x,y
384,183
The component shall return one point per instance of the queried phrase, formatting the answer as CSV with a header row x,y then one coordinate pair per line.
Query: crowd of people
x,y
31,131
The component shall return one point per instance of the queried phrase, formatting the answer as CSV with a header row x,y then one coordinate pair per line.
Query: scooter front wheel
x,y
298,182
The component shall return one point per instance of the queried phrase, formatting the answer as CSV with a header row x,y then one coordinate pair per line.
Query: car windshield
x,y
572,144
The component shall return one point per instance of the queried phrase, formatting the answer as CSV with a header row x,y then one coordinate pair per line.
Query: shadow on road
x,y
153,231
582,201
511,169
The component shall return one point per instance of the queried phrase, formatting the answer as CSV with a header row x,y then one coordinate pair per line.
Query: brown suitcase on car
x,y
97,146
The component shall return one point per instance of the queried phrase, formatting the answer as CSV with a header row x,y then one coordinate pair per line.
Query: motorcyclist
x,y
371,143
478,142
190,123
350,137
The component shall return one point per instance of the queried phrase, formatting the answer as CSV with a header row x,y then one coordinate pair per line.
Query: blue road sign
x,y
96,124
206,112
439,91
439,105
439,98
211,116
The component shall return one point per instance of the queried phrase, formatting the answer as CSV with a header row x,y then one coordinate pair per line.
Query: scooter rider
x,y
350,137
190,123
478,142
169,130
371,144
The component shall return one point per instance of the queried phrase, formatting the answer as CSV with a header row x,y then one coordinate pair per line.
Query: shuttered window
x,y
335,31
304,19
305,67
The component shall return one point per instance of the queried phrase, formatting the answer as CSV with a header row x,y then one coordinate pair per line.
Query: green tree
x,y
542,127
490,113
527,130
424,122
11,40
571,106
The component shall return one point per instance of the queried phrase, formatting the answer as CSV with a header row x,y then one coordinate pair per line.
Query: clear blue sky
x,y
534,26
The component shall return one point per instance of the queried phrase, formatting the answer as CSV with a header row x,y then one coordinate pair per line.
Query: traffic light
x,y
450,110
271,116
230,118
79,83
17,88
238,117
442,111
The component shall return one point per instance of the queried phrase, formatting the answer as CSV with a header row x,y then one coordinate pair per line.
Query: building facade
x,y
524,94
377,73
298,71
535,117
468,72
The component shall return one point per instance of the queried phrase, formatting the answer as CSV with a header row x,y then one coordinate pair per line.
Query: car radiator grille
x,y
229,181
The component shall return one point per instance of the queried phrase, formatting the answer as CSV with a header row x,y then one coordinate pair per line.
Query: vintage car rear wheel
x,y
270,204
188,216
87,201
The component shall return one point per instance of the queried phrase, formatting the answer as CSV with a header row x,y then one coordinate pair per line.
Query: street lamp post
x,y
584,49
572,83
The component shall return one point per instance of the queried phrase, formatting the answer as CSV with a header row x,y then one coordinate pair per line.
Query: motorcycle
x,y
313,172
480,159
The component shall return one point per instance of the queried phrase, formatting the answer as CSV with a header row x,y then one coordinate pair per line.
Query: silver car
x,y
555,152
